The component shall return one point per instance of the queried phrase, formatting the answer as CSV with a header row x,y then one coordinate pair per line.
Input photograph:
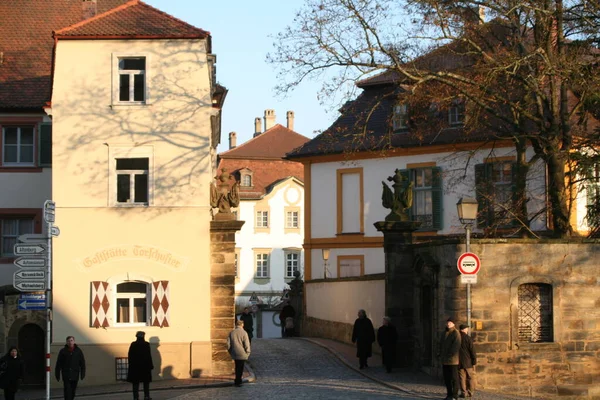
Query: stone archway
x,y
31,344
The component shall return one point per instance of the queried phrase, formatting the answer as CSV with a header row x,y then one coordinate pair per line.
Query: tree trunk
x,y
557,196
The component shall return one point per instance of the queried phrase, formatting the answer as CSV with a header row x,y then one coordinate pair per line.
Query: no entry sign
x,y
468,264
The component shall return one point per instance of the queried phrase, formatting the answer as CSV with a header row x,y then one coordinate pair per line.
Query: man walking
x,y
238,346
71,363
246,317
467,359
140,365
449,349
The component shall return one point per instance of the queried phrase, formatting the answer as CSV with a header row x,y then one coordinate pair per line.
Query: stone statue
x,y
221,196
400,200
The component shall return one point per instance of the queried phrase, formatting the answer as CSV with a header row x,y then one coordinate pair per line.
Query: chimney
x,y
290,120
269,119
232,140
257,127
88,9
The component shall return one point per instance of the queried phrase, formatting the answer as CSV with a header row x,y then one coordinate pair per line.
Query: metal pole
x,y
468,245
48,306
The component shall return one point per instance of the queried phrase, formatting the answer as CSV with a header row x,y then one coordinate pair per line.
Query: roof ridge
x,y
172,17
97,17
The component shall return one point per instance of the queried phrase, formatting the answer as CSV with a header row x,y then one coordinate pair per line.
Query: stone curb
x,y
367,375
251,378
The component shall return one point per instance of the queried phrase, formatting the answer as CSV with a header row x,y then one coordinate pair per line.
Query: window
x,y
456,113
351,266
400,117
10,230
132,180
262,219
247,180
262,264
427,197
535,313
350,201
292,263
592,187
291,219
132,80
121,368
494,191
18,145
132,303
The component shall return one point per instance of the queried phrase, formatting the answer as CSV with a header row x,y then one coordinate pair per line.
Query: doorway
x,y
31,344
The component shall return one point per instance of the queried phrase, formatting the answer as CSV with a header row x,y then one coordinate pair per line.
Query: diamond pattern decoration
x,y
100,305
535,313
160,304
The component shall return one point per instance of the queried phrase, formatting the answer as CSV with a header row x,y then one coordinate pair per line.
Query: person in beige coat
x,y
238,346
449,348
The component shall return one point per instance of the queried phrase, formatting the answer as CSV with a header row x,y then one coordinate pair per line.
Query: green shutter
x,y
437,196
45,145
481,191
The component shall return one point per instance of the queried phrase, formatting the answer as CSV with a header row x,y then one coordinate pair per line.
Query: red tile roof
x,y
271,144
263,156
134,19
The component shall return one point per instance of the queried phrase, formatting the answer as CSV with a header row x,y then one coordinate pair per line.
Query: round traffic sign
x,y
468,264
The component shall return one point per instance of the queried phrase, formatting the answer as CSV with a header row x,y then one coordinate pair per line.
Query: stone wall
x,y
569,364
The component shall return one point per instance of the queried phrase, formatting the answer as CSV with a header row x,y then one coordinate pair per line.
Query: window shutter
x,y
437,196
160,304
100,305
45,145
481,191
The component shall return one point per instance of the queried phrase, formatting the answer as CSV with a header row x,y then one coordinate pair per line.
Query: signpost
x,y
36,274
468,265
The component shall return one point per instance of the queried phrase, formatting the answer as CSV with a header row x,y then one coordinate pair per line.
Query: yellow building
x,y
136,120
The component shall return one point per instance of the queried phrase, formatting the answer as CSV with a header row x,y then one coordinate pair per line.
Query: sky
x,y
243,33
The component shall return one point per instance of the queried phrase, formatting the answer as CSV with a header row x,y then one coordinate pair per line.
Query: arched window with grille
x,y
535,313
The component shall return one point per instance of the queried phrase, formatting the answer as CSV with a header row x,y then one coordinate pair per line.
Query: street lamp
x,y
325,258
467,214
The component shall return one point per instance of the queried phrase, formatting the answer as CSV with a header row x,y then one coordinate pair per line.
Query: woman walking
x,y
12,371
363,335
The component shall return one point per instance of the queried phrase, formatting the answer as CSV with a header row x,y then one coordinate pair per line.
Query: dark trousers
x,y
362,362
9,394
451,380
69,389
136,389
239,371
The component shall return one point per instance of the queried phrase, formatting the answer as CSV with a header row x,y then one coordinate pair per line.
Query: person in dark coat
x,y
363,334
449,349
387,338
140,365
238,346
71,363
248,322
467,359
287,312
12,370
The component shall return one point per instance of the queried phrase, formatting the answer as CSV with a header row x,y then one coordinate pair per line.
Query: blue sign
x,y
32,296
26,304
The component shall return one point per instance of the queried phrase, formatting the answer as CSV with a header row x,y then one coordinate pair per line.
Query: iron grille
x,y
535,313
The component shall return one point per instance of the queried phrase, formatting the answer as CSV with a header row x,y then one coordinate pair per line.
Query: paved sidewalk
x,y
125,387
405,380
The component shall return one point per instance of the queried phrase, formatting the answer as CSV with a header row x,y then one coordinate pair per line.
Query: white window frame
x,y
131,297
3,219
265,267
456,114
290,263
292,219
260,220
116,79
399,116
18,163
422,193
246,180
129,152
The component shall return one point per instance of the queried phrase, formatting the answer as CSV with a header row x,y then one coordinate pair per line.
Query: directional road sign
x,y
26,262
29,249
33,296
28,274
25,304
33,238
30,286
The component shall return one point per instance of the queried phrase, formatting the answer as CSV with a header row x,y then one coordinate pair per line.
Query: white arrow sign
x,y
23,249
33,238
24,262
28,274
30,286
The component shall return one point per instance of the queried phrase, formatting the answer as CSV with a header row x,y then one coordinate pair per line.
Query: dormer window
x,y
400,117
456,113
247,180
